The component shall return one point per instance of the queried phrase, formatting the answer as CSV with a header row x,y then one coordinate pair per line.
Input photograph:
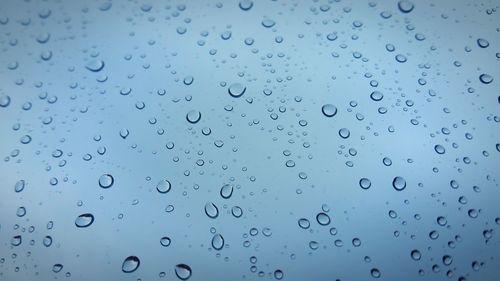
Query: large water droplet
x,y
106,181
329,110
163,186
130,264
246,5
211,210
193,116
218,242
405,6
236,90
226,191
399,183
485,78
95,65
183,271
84,220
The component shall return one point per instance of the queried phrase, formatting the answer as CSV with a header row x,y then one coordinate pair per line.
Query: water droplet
x,y
211,210
4,100
415,255
406,6
376,96
483,43
278,274
439,149
106,181
246,5
268,23
57,267
183,271
323,219
163,186
95,65
16,240
130,264
329,110
236,90
19,186
193,116
375,273
226,191
365,183
84,220
218,242
399,183
304,223
485,78
165,241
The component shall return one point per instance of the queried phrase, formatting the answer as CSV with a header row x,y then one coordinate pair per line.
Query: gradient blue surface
x,y
249,140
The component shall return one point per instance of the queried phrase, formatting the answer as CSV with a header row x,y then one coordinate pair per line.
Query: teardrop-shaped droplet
x,y
236,90
399,183
84,220
218,242
106,181
183,271
226,191
130,264
163,186
211,210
